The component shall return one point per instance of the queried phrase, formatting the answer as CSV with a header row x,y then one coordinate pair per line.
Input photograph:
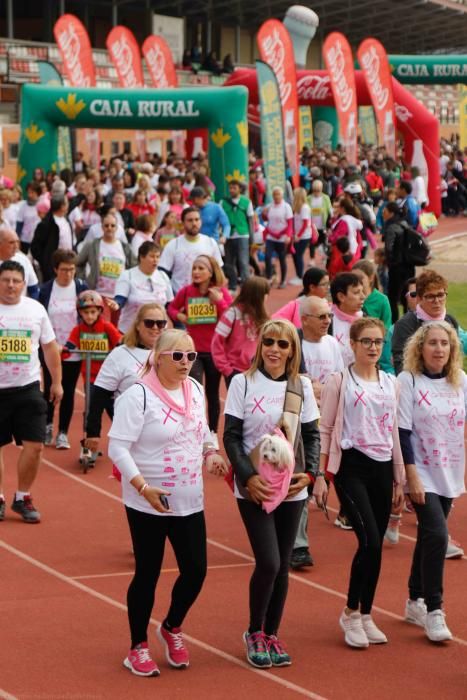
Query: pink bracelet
x,y
143,488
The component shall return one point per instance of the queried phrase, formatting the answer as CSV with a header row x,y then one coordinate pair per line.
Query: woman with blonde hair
x,y
321,212
432,409
159,441
254,407
122,366
200,305
304,231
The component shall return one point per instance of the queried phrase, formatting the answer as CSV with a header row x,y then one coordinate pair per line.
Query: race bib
x,y
110,267
166,238
94,342
316,211
201,310
15,346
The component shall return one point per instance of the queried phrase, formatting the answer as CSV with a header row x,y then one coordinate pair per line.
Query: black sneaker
x,y
2,509
301,557
26,509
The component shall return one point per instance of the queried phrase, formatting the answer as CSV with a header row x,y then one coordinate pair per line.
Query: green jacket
x,y
237,215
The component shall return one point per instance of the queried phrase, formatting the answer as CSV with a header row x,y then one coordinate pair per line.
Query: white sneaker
x,y
214,440
392,530
61,443
355,635
49,434
454,550
296,281
436,628
373,634
415,612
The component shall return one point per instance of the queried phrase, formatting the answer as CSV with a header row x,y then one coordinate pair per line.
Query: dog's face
x,y
274,451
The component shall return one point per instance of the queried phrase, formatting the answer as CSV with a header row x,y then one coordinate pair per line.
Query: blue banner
x,y
49,75
272,132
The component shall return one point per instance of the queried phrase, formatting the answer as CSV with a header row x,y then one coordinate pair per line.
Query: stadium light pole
x,y
9,18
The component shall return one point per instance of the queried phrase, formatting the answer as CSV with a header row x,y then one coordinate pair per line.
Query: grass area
x,y
457,303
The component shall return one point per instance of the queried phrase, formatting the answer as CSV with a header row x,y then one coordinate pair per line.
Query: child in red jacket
x,y
92,333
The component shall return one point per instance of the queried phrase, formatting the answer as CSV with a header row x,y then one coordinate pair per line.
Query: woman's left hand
x,y
112,304
299,482
398,496
214,294
215,464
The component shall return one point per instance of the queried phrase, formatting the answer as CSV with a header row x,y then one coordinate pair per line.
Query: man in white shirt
x,y
9,250
178,255
24,325
320,357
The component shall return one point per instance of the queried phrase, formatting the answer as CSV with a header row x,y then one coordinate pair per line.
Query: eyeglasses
x,y
150,323
322,317
178,355
412,295
441,296
368,342
7,280
269,342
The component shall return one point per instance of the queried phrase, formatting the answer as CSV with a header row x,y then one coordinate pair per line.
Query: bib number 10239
x,y
201,310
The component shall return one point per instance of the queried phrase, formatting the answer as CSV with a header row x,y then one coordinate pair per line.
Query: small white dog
x,y
274,450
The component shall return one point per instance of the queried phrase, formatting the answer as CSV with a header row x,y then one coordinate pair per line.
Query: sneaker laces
x,y
257,641
27,500
273,643
177,640
143,654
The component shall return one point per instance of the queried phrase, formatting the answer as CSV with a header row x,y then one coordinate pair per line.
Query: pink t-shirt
x,y
369,413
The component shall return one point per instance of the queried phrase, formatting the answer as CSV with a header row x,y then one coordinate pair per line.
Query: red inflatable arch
x,y
413,120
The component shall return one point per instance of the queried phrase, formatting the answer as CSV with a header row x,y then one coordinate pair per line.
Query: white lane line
x,y
163,571
242,555
7,696
196,642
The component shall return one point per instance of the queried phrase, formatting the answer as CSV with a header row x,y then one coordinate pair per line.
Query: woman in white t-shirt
x,y
122,366
278,232
432,409
254,407
159,442
142,284
360,446
304,231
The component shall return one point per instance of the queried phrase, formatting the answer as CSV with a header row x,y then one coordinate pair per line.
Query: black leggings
x,y
279,248
187,535
364,487
205,365
426,576
272,538
70,376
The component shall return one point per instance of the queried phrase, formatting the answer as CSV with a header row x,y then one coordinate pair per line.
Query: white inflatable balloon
x,y
301,23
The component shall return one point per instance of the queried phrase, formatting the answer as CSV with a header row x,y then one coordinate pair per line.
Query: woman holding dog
x,y
254,409
360,447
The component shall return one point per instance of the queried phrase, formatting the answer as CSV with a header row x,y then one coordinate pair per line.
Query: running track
x,y
63,618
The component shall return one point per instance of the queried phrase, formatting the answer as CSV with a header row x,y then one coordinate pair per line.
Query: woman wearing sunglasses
x,y
122,367
200,305
360,446
160,440
254,407
142,284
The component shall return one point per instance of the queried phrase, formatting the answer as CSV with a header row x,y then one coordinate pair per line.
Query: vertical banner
x,y
272,134
159,61
337,56
374,64
306,128
78,64
463,117
49,75
276,49
367,124
124,53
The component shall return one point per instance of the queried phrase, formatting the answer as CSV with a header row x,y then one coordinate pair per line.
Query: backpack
x,y
415,249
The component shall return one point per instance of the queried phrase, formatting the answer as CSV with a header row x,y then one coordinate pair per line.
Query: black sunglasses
x,y
150,323
283,344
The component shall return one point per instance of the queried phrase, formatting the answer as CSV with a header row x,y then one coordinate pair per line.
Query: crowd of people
x,y
355,385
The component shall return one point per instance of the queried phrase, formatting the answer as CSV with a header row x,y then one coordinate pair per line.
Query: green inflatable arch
x,y
223,111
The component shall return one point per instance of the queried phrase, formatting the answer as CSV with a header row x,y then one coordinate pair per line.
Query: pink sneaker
x,y
176,652
139,661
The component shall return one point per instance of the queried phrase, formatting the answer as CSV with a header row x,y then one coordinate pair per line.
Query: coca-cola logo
x,y
402,113
312,88
274,55
70,46
336,65
371,65
123,58
156,62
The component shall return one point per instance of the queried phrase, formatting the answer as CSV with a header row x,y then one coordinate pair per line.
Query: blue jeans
x,y
237,256
279,248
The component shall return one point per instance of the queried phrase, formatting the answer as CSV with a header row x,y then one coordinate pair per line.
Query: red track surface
x,y
64,630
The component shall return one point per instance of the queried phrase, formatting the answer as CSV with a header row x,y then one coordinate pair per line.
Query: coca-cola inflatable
x,y
413,120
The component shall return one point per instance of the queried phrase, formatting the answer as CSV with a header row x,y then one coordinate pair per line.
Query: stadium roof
x,y
403,26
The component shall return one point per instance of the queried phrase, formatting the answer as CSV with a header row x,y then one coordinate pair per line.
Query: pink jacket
x,y
201,333
234,342
291,312
332,421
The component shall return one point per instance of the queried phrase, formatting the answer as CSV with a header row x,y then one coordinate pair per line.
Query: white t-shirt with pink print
x,y
435,411
369,413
